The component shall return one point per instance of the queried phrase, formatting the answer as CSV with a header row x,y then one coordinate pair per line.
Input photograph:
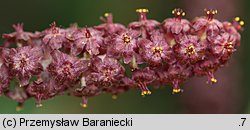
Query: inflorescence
x,y
112,58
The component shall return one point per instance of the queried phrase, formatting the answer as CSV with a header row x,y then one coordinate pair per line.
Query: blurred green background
x,y
38,14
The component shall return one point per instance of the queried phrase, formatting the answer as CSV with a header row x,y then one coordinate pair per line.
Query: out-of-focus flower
x,y
233,28
24,62
19,95
4,79
19,37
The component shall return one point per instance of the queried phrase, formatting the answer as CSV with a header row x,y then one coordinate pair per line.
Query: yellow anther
x,y
213,80
83,105
178,13
153,48
114,97
213,12
208,12
106,14
19,108
157,48
173,11
142,10
161,48
39,105
216,11
183,13
242,23
176,90
144,92
237,19
149,92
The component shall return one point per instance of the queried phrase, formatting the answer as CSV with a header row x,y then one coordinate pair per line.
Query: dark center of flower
x,y
126,39
190,50
66,68
157,51
87,33
22,63
210,13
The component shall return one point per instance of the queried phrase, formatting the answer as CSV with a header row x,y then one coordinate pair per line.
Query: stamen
x,y
210,13
53,28
108,18
142,14
213,80
114,97
178,13
238,23
237,19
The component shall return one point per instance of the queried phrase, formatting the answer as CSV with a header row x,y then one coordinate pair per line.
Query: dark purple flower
x,y
156,51
24,62
124,85
178,73
176,25
207,27
190,50
87,39
42,90
109,27
65,68
4,79
207,67
54,37
18,37
144,25
85,92
19,95
106,72
142,78
234,28
124,45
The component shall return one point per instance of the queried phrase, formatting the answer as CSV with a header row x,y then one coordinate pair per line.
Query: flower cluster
x,y
89,61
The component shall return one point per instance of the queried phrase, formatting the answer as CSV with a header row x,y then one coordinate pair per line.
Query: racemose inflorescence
x,y
112,58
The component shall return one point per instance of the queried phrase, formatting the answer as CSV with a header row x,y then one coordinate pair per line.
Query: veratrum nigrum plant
x,y
112,58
